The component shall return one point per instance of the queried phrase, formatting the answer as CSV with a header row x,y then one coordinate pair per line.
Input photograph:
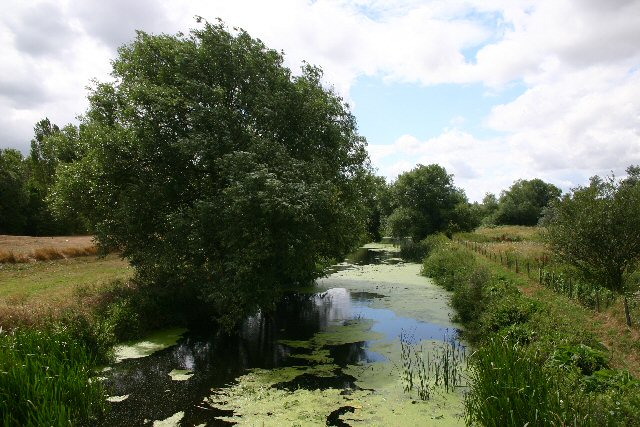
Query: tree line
x,y
425,201
226,178
26,183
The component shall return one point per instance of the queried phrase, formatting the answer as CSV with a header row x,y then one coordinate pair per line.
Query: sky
x,y
493,90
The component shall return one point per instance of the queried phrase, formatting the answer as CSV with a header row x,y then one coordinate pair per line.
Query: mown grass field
x,y
35,290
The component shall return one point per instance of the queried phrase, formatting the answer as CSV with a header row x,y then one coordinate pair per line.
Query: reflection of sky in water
x,y
341,305
217,360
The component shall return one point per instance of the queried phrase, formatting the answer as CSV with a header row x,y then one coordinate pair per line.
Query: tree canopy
x,y
524,201
216,170
427,202
597,229
14,197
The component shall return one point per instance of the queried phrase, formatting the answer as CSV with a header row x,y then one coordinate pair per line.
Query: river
x,y
328,357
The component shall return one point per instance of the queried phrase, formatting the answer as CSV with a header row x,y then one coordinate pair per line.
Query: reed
x,y
440,367
46,379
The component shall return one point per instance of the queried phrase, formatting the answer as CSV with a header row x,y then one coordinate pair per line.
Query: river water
x,y
327,339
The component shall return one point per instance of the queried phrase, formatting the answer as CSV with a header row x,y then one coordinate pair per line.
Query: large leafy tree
x,y
216,171
597,229
426,201
14,196
524,201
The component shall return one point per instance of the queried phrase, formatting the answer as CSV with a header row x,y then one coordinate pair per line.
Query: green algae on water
x,y
180,374
117,399
172,421
154,342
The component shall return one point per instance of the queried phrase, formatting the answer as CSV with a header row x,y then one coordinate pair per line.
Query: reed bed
x,y
46,379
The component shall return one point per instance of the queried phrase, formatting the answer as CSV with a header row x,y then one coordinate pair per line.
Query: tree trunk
x,y
627,314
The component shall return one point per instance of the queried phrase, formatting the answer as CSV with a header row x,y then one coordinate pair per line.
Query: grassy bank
x,y
540,358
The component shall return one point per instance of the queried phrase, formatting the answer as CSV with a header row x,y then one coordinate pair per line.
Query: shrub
x,y
508,311
448,266
468,298
416,252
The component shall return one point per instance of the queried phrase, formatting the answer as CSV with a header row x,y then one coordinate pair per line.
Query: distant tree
x,y
597,229
217,172
50,147
376,199
524,202
14,197
427,202
489,207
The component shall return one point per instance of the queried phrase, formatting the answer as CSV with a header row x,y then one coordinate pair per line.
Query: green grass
x,y
57,278
33,292
46,378
519,339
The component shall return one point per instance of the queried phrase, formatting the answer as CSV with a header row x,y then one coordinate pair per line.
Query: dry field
x,y
21,249
51,275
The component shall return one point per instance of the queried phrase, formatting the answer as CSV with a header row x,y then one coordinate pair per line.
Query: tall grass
x,y
529,364
46,254
46,379
508,388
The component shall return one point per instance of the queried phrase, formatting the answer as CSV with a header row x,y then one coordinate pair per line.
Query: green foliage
x,y
417,251
585,358
217,172
597,230
530,367
524,202
425,201
508,388
376,200
14,196
46,378
510,310
25,183
448,266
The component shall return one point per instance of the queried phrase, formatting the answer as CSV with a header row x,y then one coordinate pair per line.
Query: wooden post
x,y
540,275
516,265
570,293
528,270
598,300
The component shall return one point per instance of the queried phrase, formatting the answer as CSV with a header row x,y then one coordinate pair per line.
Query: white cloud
x,y
478,166
587,120
579,115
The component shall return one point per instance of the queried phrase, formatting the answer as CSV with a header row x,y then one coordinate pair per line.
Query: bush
x,y
417,252
448,266
468,298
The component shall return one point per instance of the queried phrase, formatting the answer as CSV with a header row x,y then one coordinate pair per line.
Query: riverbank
x,y
539,358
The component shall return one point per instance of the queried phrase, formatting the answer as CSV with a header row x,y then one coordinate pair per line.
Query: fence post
x,y
598,300
516,265
540,275
528,270
570,286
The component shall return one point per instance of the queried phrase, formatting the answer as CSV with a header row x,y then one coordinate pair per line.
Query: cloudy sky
x,y
493,90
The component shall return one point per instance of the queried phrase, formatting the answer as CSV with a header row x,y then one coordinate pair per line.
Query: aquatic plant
x,y
440,366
